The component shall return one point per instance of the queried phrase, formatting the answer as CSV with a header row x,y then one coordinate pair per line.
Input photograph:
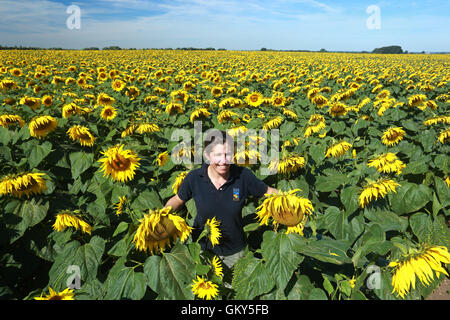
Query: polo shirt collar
x,y
203,172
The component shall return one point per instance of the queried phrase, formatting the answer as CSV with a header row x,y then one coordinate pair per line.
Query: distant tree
x,y
263,49
389,49
323,50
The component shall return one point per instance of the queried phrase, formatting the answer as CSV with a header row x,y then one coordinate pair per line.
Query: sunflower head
x,y
158,228
419,262
24,184
204,289
254,99
285,208
41,126
66,294
120,164
393,136
67,219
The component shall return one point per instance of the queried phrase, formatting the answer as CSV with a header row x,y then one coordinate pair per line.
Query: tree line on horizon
x,y
382,50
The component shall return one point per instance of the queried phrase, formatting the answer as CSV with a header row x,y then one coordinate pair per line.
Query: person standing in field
x,y
219,189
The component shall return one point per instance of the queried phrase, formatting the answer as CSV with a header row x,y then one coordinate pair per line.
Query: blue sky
x,y
231,24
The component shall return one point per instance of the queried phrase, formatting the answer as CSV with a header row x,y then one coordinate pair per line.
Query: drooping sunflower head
x,y
213,231
147,128
375,190
119,206
179,180
217,267
82,135
393,136
31,102
444,136
162,158
7,120
67,219
418,262
41,126
158,228
338,109
285,208
387,163
288,165
199,113
338,149
24,184
66,294
273,123
118,163
105,100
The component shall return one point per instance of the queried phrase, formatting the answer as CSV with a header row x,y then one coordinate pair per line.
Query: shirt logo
x,y
235,194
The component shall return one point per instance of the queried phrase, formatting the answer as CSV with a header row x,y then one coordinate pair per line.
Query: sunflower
x,y
254,99
157,228
392,136
147,128
418,262
375,190
129,130
246,157
108,113
23,184
338,109
120,164
204,289
104,100
66,219
118,85
273,123
178,181
172,108
71,109
82,135
216,91
31,102
7,120
291,114
8,84
199,113
227,115
133,92
338,149
162,158
66,294
47,100
416,100
317,123
217,267
278,100
436,120
236,131
287,209
213,231
119,205
287,165
444,136
41,126
387,163
246,118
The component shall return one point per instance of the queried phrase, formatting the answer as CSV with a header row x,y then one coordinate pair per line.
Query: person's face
x,y
220,157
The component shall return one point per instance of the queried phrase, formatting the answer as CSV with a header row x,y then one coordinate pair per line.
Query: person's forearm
x,y
271,190
172,202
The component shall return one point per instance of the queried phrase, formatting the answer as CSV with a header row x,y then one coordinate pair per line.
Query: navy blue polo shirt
x,y
225,204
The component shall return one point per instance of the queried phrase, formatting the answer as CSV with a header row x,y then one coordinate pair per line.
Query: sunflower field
x,y
86,169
